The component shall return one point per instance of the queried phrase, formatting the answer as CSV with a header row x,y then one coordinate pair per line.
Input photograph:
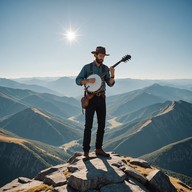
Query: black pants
x,y
97,103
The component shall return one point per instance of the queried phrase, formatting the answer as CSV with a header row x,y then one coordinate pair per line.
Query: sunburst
x,y
71,35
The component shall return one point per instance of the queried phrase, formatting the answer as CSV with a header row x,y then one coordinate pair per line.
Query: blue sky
x,y
156,33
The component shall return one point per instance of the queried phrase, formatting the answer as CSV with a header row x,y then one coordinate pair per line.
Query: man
x,y
97,103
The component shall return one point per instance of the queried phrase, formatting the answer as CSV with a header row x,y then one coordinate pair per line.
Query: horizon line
x,y
71,76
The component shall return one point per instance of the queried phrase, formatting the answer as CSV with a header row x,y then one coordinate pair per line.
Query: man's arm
x,y
110,78
81,78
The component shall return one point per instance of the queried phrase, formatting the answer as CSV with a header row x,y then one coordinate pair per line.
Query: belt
x,y
100,94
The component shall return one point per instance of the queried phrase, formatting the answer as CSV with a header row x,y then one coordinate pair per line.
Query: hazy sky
x,y
156,33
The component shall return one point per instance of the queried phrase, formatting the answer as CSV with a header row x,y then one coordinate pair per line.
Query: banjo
x,y
99,79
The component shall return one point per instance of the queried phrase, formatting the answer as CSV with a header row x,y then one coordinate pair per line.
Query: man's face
x,y
99,58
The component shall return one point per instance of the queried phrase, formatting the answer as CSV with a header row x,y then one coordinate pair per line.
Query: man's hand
x,y
112,71
91,80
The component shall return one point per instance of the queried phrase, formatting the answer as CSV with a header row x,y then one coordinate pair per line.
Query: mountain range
x,y
22,157
154,122
38,125
171,124
60,106
67,86
175,157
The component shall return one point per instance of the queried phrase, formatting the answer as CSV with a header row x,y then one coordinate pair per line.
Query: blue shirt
x,y
85,72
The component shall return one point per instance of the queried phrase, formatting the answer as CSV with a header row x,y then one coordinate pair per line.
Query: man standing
x,y
97,103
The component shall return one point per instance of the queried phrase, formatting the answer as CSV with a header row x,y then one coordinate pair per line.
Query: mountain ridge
x,y
22,157
35,123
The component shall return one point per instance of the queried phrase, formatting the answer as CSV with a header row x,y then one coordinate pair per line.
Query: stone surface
x,y
139,162
160,182
135,174
55,179
127,186
96,173
15,185
64,188
23,180
41,175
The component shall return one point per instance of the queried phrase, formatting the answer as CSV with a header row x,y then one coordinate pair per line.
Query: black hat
x,y
100,49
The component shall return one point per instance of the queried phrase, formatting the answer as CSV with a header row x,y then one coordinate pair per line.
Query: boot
x,y
101,152
86,154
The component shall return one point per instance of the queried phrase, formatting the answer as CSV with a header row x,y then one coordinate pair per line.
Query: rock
x,y
64,188
159,182
41,175
135,174
13,184
96,173
121,187
127,186
55,179
135,186
139,162
16,186
23,180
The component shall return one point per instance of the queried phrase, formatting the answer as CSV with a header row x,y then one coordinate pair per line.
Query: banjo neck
x,y
104,73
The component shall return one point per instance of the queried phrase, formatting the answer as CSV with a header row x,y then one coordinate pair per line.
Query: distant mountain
x,y
130,105
60,106
16,85
63,85
67,86
176,157
135,100
21,157
144,113
169,93
9,105
38,125
171,124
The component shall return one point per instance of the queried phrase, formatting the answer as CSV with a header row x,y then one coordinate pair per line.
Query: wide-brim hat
x,y
101,50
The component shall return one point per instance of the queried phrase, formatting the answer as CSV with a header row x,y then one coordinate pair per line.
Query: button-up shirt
x,y
85,72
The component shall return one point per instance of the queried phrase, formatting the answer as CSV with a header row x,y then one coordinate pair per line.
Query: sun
x,y
70,35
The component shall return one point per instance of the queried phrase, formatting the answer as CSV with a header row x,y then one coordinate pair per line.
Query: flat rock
x,y
139,162
41,175
135,174
96,173
159,182
16,186
55,179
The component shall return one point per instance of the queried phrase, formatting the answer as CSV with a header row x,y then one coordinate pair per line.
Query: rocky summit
x,y
99,174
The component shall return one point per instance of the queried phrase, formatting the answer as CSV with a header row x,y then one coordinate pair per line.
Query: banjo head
x,y
93,87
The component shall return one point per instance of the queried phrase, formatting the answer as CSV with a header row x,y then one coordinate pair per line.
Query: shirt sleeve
x,y
107,78
81,76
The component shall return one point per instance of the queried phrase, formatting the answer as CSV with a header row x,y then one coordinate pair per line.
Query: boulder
x,y
96,172
55,179
15,185
135,174
41,175
159,182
